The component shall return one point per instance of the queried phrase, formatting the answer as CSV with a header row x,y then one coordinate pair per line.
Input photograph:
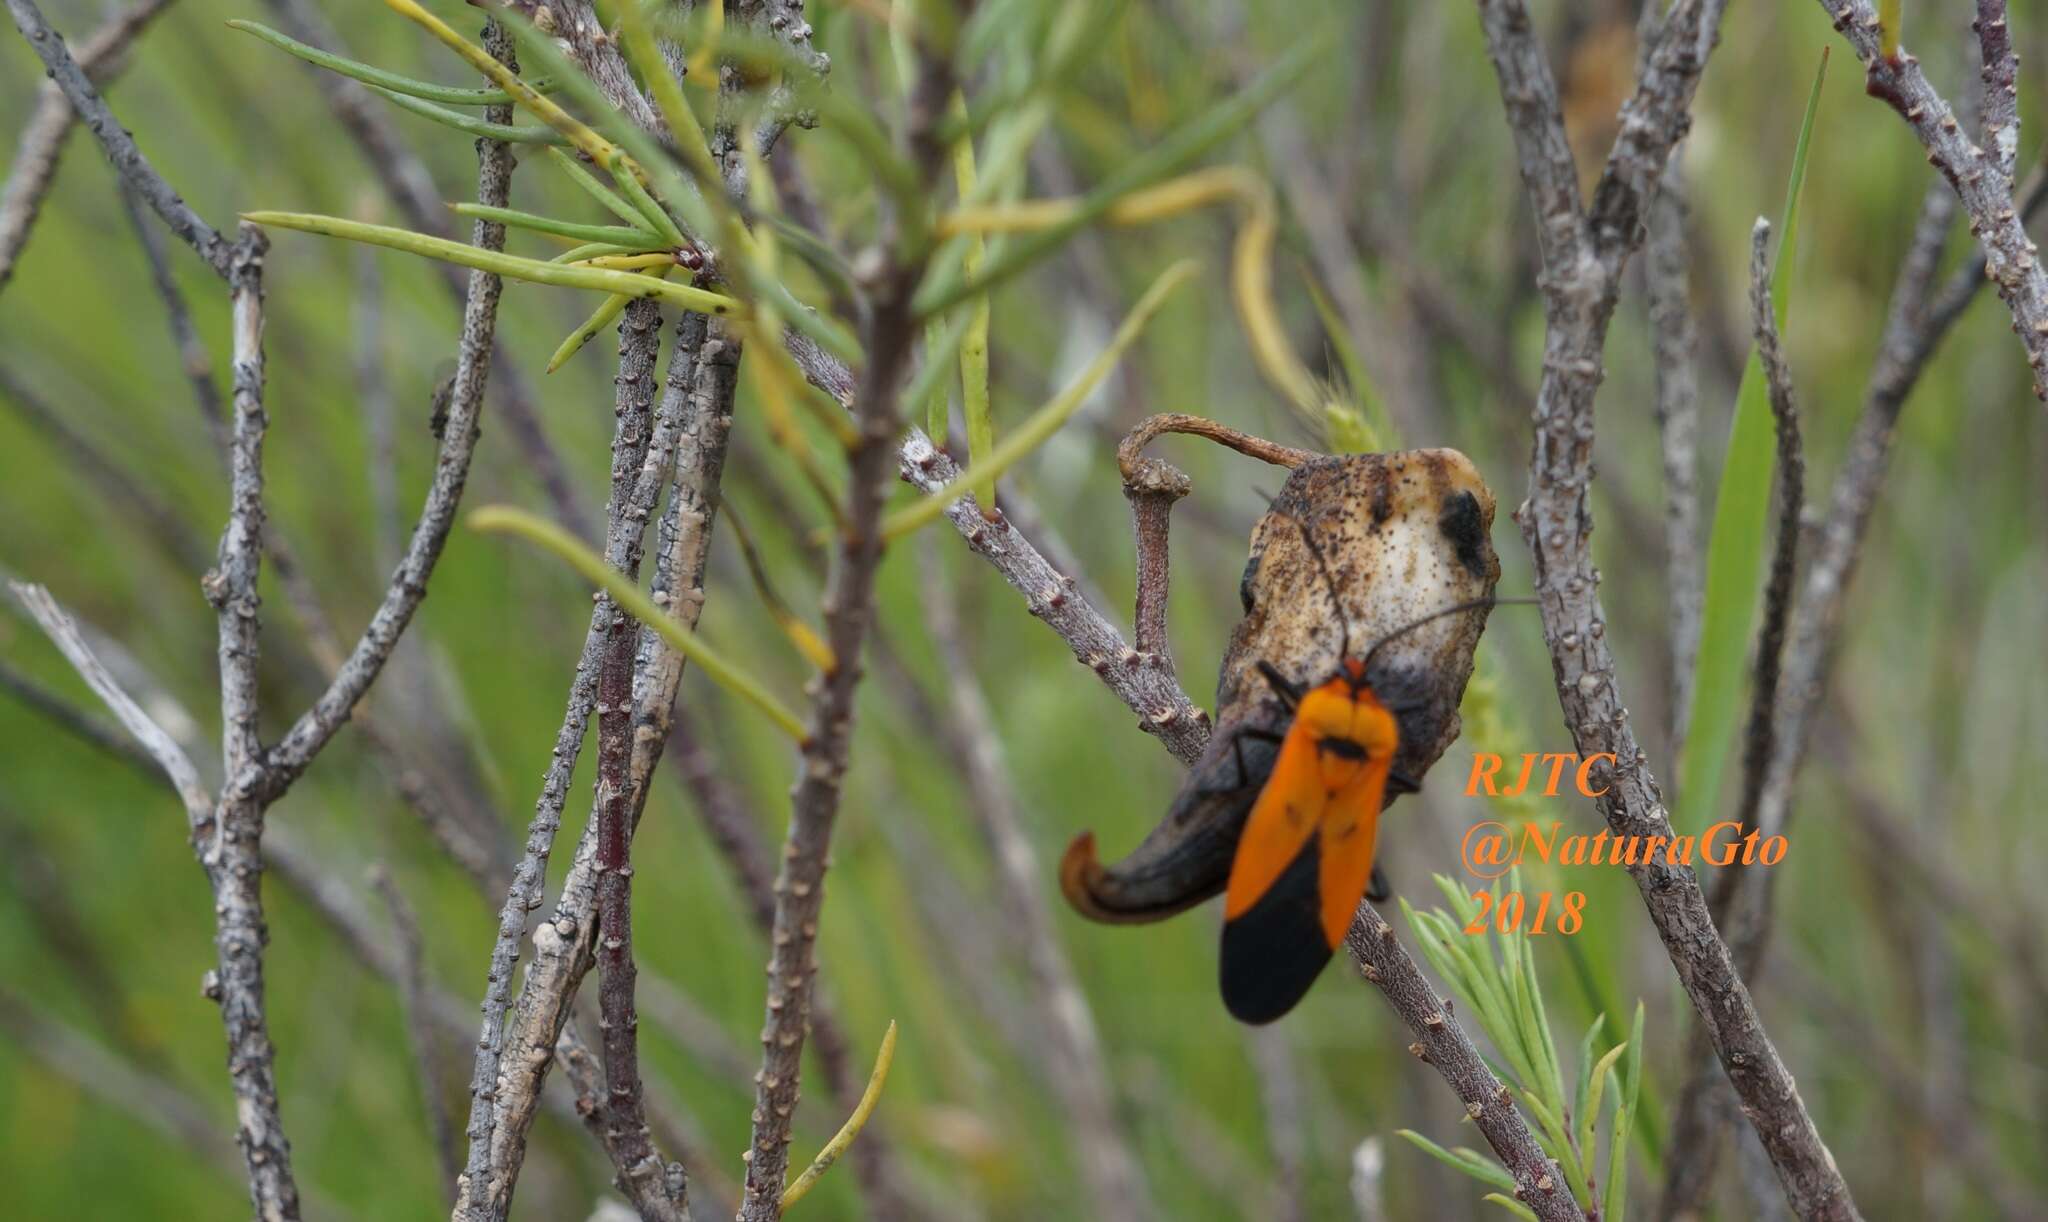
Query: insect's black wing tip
x,y
1379,890
1275,950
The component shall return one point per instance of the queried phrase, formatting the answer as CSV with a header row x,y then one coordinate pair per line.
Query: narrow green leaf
x,y
535,270
618,235
1047,420
537,133
1478,1169
635,193
1735,549
370,74
1183,145
595,189
1589,1116
1585,1064
591,328
592,250
1512,1206
1614,1196
626,595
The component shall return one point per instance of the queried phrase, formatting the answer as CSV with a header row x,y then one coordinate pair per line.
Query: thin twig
x,y
41,145
318,724
1539,1183
1674,349
1705,1109
410,187
1762,730
1981,177
827,743
114,139
1583,253
657,1188
694,430
177,766
750,860
233,858
889,331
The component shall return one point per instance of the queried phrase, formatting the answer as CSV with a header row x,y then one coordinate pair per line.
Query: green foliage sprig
x,y
1493,973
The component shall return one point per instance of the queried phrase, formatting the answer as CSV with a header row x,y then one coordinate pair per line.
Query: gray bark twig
x,y
814,804
1584,252
1914,327
657,1188
488,1180
740,842
1674,337
233,858
41,145
889,330
563,945
1791,494
177,766
120,147
1440,1042
1981,176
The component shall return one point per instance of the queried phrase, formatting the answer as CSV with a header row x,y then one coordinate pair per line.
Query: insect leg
x,y
1290,692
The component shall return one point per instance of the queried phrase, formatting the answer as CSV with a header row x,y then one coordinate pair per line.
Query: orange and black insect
x,y
1313,738
1305,859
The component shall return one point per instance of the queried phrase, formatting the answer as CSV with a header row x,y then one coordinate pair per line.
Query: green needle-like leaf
x,y
537,271
469,124
370,74
625,594
1183,145
596,190
1463,1160
1735,550
1047,420
618,235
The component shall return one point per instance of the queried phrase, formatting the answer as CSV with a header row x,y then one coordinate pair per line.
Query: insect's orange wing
x,y
1350,828
1287,813
1305,857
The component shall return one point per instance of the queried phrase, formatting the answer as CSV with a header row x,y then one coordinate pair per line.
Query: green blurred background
x,y
1890,997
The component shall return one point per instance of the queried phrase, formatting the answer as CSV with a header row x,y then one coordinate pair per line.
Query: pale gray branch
x,y
161,747
41,145
1584,252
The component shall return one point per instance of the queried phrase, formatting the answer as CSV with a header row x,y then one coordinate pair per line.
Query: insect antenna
x,y
1336,601
1438,614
